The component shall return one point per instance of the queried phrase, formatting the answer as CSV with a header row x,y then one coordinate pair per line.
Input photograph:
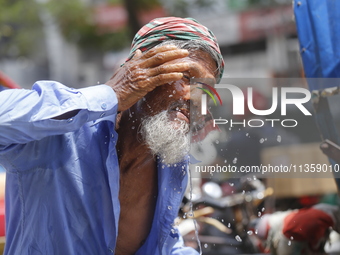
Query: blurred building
x,y
257,39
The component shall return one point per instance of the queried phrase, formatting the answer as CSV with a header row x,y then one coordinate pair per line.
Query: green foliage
x,y
138,4
20,27
246,4
77,25
181,8
146,4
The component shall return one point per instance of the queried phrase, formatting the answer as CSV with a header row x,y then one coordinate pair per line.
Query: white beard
x,y
168,139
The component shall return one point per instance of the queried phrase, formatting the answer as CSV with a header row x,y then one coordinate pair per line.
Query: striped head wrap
x,y
173,28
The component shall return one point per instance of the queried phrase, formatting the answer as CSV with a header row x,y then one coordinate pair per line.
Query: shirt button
x,y
69,120
102,115
104,106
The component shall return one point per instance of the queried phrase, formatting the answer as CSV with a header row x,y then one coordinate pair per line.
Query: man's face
x,y
178,97
172,110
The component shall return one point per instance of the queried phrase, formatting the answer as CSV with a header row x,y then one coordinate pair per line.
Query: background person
x,y
294,232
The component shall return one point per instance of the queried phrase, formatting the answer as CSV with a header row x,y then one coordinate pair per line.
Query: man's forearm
x,y
51,108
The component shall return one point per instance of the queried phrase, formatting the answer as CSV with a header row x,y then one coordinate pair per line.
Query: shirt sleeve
x,y
27,115
180,249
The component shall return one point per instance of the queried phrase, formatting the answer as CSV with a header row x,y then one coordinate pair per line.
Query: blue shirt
x,y
62,181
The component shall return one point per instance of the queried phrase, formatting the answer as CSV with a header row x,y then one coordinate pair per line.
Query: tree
x,y
20,27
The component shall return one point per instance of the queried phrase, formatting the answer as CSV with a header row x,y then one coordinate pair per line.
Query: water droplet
x,y
279,138
291,238
174,92
256,231
217,141
222,220
250,232
98,82
261,140
238,238
133,127
170,95
289,243
225,161
231,184
175,165
184,215
247,134
263,209
235,160
259,214
229,225
205,245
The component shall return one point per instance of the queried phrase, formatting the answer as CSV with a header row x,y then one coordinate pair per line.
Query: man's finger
x,y
159,49
162,79
163,57
137,54
169,68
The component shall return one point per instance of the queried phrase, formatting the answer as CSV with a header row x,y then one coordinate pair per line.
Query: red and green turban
x,y
173,28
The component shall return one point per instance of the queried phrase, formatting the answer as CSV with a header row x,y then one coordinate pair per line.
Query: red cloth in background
x,y
307,225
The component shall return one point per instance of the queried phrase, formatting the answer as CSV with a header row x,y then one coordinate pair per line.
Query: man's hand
x,y
145,71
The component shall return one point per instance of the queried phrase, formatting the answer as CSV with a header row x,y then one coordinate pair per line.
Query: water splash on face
x,y
168,139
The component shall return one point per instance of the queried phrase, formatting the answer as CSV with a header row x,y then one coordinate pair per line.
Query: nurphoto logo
x,y
238,105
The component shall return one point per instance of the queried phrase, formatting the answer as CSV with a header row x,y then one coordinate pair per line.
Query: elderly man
x,y
102,170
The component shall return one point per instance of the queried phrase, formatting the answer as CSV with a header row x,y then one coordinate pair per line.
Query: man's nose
x,y
189,92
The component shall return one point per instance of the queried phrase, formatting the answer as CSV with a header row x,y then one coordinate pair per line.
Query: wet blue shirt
x,y
63,175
